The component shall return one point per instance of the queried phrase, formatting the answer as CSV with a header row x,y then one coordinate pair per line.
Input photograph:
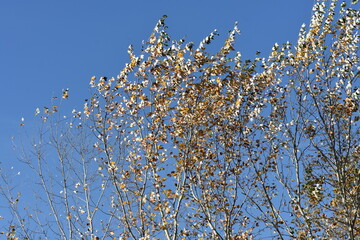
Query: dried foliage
x,y
187,144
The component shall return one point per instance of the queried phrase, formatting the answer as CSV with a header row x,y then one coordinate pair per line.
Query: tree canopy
x,y
187,143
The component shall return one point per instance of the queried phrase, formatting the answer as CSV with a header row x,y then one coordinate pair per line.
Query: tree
x,y
187,144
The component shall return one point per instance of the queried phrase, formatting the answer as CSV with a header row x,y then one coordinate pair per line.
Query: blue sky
x,y
47,46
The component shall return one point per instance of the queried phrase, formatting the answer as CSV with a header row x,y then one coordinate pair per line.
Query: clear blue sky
x,y
48,45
